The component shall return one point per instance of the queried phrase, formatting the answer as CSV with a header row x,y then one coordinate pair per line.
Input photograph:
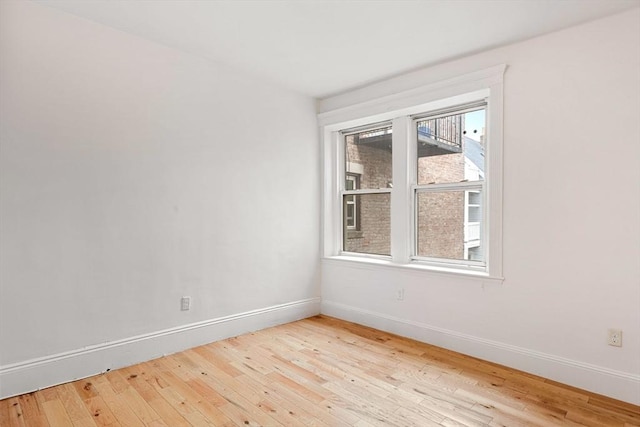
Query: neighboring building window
x,y
367,194
473,226
351,205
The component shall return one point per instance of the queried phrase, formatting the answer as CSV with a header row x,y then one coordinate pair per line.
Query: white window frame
x,y
399,108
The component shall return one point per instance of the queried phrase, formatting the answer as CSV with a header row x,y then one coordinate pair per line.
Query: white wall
x,y
571,219
133,174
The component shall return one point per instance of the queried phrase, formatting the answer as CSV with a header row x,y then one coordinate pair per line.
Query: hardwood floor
x,y
316,372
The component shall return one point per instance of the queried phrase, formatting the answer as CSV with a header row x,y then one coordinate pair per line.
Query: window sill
x,y
374,263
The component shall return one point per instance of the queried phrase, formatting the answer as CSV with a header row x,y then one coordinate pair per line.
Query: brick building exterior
x,y
441,215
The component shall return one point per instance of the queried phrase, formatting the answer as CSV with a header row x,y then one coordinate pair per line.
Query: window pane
x,y
367,223
451,148
368,156
450,225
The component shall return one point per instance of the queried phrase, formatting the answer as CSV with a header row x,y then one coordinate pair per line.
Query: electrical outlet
x,y
185,303
400,294
615,337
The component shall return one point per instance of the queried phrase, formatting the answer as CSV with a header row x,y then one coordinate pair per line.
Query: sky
x,y
475,120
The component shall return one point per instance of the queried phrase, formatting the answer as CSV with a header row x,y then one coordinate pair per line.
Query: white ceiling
x,y
323,47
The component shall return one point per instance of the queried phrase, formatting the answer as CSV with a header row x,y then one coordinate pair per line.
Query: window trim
x,y
400,109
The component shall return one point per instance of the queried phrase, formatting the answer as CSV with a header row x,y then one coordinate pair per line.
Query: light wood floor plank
x,y
31,410
320,372
84,422
72,403
102,415
56,413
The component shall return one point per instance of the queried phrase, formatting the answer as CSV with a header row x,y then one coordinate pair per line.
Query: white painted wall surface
x,y
132,174
571,219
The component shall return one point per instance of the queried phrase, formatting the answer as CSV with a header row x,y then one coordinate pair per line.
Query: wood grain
x,y
316,372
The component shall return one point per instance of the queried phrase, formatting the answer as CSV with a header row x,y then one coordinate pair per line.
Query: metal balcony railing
x,y
436,136
443,133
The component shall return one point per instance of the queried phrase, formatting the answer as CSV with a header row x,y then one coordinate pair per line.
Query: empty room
x,y
319,213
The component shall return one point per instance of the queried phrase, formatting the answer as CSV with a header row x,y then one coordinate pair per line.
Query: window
x,y
366,197
450,185
415,179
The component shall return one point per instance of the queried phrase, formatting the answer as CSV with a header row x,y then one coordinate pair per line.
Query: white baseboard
x,y
609,382
35,374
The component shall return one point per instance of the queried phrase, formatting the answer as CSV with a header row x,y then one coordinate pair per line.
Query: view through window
x,y
367,199
448,187
450,184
